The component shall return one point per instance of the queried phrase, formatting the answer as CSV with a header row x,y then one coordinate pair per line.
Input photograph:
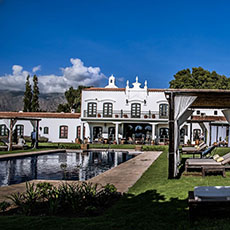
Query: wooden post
x,y
171,164
37,129
191,137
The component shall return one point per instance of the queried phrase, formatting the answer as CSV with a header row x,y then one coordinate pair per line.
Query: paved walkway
x,y
127,174
123,176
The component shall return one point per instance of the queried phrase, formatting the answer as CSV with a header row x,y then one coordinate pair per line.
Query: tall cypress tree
x,y
27,96
35,103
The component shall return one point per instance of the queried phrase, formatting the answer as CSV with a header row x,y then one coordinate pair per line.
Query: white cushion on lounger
x,y
202,162
212,193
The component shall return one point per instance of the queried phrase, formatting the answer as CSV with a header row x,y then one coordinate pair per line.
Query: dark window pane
x,y
63,132
136,110
107,110
92,109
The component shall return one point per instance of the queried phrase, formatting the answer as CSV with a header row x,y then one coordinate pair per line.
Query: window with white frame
x,y
3,130
107,110
163,110
46,130
63,132
19,130
92,109
135,110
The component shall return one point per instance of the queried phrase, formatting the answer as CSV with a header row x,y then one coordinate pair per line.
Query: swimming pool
x,y
59,166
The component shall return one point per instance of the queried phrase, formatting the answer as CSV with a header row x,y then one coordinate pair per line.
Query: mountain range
x,y
13,101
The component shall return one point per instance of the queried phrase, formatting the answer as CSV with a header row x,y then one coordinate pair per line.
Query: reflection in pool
x,y
59,166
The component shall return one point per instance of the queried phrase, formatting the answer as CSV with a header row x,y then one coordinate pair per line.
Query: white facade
x,y
57,127
108,108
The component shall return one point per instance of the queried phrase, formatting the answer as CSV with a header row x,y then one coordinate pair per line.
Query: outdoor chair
x,y
208,165
14,146
207,151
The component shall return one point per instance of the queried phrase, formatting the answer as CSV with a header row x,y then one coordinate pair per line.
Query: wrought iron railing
x,y
118,114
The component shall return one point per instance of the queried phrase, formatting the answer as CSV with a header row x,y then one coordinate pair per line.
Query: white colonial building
x,y
135,114
125,114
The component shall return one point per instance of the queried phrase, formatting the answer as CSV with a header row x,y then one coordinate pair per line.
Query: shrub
x,y
69,146
4,205
68,199
154,147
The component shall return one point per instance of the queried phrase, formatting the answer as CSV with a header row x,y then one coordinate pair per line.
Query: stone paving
x,y
127,174
12,155
123,176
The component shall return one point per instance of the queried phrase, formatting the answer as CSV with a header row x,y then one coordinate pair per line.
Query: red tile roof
x,y
120,89
208,118
38,115
104,89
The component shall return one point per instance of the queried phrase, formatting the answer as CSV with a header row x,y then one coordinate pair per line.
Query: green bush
x,y
74,199
154,147
107,146
4,205
69,146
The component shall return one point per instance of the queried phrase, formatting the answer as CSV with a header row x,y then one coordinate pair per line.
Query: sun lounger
x,y
194,150
204,163
216,199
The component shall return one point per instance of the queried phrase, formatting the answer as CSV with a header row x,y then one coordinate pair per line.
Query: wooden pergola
x,y
13,117
181,105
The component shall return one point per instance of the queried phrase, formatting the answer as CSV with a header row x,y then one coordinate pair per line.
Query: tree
x,y
73,97
199,79
27,96
35,98
63,108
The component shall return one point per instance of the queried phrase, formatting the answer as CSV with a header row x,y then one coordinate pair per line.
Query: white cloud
x,y
36,68
75,75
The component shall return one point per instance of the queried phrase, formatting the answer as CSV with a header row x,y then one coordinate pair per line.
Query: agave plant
x,y
4,205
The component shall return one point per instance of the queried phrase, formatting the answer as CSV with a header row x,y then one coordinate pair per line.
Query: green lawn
x,y
154,202
42,147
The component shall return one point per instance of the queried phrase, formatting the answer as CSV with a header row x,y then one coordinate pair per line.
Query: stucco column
x,y
116,131
80,167
229,137
153,131
82,132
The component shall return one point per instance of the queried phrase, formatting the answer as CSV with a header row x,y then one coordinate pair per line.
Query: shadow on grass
x,y
150,210
182,168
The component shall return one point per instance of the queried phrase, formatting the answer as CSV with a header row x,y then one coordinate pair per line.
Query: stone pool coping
x,y
22,154
123,176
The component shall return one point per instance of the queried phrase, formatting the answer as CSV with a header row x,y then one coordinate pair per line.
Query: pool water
x,y
59,166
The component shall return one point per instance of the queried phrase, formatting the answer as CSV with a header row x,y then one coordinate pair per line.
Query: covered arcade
x,y
181,105
10,119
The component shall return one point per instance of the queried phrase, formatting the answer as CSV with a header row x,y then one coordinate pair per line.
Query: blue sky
x,y
151,39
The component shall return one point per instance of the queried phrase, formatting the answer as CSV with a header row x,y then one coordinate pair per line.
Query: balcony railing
x,y
118,114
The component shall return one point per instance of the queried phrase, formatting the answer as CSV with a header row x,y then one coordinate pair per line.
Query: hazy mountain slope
x,y
13,101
